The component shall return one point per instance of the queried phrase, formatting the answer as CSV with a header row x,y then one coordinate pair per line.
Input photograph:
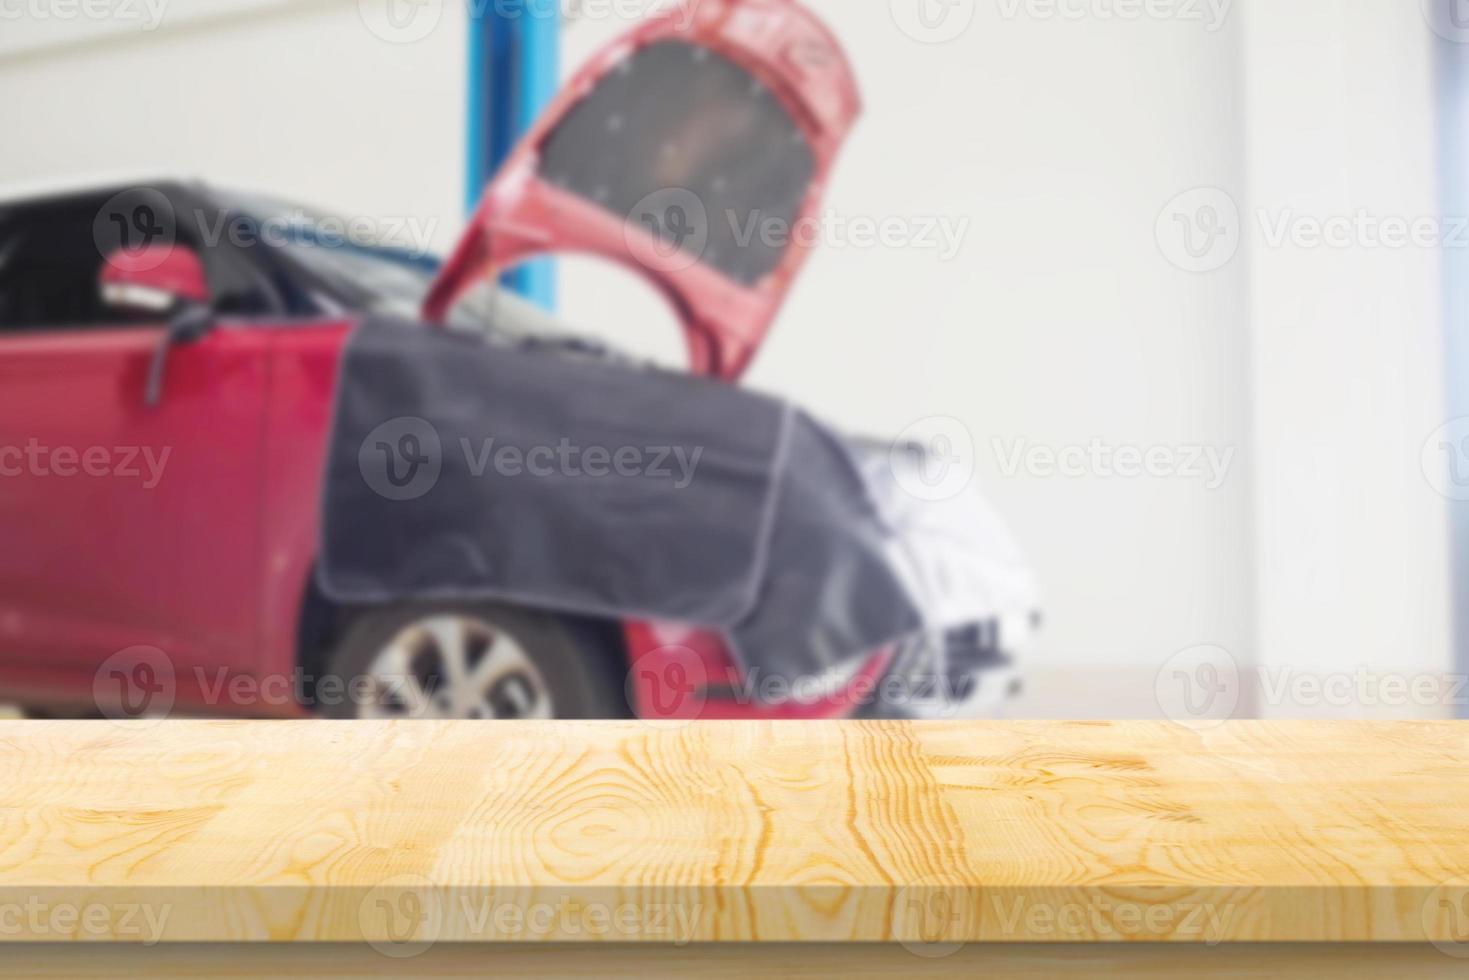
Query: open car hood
x,y
686,151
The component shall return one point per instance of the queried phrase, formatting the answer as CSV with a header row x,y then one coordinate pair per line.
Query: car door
x,y
693,151
121,524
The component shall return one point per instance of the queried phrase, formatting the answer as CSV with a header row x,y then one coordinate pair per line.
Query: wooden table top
x,y
566,832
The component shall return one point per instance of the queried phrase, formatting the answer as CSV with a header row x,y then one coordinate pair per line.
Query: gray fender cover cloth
x,y
462,469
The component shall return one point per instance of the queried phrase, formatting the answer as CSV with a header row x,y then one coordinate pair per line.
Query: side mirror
x,y
167,280
158,279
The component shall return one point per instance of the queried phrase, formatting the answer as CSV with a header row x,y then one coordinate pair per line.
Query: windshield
x,y
347,267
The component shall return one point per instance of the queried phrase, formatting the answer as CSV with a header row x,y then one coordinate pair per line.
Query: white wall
x,y
1348,371
297,98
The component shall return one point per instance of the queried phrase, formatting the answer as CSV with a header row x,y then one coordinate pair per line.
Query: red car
x,y
167,374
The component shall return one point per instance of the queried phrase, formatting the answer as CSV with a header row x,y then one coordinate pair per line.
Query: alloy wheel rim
x,y
454,666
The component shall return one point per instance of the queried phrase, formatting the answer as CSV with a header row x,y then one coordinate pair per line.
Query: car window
x,y
51,255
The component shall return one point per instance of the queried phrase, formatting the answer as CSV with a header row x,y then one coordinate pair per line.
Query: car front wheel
x,y
473,661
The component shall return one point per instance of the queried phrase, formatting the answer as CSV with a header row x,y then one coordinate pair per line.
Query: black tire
x,y
580,663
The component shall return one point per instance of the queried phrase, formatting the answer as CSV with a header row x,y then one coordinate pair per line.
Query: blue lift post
x,y
513,68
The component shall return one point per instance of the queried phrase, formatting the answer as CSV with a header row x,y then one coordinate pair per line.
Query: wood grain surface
x,y
408,835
